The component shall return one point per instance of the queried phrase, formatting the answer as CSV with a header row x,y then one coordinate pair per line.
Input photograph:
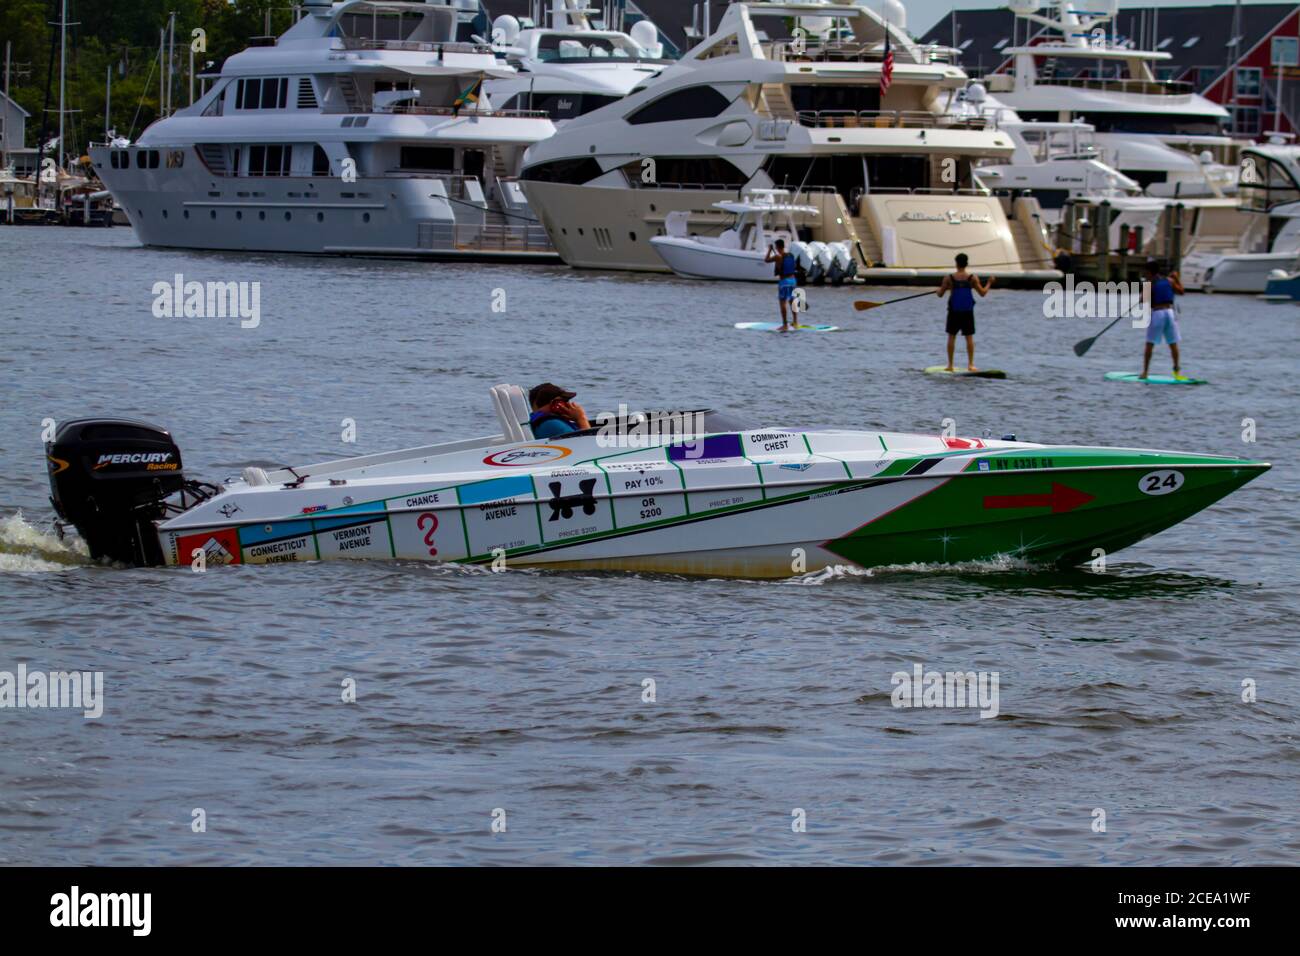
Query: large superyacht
x,y
848,115
364,129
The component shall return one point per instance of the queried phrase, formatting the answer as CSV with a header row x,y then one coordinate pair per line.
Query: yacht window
x,y
264,94
563,105
442,158
703,171
273,160
1164,43
848,99
473,162
573,172
214,108
694,102
1191,42
1001,43
320,163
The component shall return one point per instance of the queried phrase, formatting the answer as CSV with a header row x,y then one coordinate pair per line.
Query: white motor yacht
x,y
885,162
1162,134
363,129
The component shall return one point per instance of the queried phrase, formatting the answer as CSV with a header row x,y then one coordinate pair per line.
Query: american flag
x,y
887,67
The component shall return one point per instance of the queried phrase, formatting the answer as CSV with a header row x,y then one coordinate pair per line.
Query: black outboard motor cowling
x,y
110,478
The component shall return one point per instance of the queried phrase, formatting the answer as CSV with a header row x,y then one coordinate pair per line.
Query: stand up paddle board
x,y
776,327
1153,379
963,373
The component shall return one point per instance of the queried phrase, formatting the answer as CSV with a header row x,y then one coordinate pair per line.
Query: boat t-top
x,y
686,491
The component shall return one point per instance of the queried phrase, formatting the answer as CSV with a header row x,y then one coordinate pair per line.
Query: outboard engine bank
x,y
110,478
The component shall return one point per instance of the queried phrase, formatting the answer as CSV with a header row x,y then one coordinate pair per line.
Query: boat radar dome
x,y
893,13
646,35
505,30
976,94
1023,8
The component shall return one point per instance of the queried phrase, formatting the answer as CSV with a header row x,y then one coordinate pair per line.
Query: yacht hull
x,y
916,235
407,216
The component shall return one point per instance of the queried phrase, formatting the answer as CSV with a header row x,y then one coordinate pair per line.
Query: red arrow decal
x,y
1060,499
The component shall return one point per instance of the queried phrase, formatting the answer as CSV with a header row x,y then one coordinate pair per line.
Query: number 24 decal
x,y
1160,482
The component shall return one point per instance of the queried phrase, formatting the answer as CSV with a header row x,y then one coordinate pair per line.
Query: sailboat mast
x,y
63,76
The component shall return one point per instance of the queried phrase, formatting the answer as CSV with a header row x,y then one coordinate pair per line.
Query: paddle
x,y
1081,347
862,305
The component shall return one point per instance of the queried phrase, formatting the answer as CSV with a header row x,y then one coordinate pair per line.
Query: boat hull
x,y
1032,504
695,260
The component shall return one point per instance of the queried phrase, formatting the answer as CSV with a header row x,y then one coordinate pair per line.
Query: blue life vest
x,y
787,266
1162,293
963,299
539,420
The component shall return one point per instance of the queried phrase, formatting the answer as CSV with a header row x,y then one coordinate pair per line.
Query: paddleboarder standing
x,y
787,280
1164,320
961,307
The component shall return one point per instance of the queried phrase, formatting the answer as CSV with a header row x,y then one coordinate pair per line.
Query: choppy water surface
x,y
523,691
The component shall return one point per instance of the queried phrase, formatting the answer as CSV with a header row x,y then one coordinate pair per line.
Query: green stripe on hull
x,y
1055,517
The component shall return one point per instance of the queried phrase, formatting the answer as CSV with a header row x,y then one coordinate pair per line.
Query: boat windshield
x,y
576,48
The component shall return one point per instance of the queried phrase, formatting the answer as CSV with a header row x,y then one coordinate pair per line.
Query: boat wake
x,y
1003,564
26,548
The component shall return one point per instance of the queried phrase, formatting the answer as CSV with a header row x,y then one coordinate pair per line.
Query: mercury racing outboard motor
x,y
110,478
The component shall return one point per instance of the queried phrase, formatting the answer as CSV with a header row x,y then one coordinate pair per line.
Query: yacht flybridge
x,y
569,67
364,129
692,492
1162,134
886,164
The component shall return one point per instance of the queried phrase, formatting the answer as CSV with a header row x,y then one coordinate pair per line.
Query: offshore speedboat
x,y
693,492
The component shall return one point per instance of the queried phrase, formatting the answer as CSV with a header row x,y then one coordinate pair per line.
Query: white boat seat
x,y
254,476
512,410
728,239
675,223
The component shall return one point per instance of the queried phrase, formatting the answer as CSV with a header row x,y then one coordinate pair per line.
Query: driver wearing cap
x,y
554,412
